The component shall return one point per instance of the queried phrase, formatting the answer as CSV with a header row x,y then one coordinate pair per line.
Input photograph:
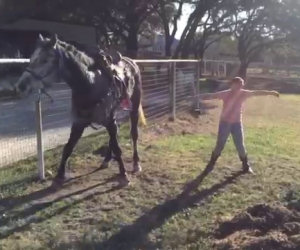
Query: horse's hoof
x,y
58,181
137,168
104,165
123,180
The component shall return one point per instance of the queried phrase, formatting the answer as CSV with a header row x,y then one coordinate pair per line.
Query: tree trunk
x,y
185,33
243,56
243,69
201,57
168,46
201,51
184,46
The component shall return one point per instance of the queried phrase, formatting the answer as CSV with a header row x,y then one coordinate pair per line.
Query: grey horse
x,y
94,98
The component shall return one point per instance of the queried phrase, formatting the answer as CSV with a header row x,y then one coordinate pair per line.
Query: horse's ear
x,y
41,38
53,39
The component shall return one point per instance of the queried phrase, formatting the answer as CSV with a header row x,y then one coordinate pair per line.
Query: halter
x,y
41,78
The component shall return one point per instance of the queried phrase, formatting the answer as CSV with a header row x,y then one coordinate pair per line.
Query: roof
x,y
69,32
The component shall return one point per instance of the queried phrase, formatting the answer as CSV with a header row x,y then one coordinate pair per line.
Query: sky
x,y
183,20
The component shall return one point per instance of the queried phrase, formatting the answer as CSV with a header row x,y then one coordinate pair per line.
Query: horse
x,y
93,96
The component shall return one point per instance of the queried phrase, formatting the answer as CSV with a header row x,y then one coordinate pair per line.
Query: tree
x,y
125,18
228,46
116,20
200,9
11,10
288,51
213,27
170,14
122,18
256,28
289,19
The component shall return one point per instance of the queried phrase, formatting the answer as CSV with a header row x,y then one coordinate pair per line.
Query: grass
x,y
154,212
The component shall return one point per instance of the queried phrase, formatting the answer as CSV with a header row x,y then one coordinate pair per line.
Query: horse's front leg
x,y
114,146
76,132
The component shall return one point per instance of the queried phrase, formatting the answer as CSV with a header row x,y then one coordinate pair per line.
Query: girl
x,y
231,119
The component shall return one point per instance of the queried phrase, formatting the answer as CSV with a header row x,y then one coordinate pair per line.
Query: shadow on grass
x,y
18,183
129,237
135,235
35,210
10,202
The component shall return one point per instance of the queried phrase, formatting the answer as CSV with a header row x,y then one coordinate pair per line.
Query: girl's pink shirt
x,y
233,104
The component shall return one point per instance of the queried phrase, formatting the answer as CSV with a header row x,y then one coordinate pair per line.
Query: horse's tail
x,y
138,80
142,117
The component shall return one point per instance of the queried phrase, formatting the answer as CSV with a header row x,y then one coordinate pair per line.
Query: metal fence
x,y
168,86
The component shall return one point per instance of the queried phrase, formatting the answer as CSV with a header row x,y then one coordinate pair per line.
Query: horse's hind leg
x,y
76,132
107,158
134,116
114,146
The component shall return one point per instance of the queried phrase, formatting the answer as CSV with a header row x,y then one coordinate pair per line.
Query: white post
x,y
173,90
197,83
39,133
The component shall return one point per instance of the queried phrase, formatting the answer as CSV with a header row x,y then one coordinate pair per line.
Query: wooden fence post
x,y
39,133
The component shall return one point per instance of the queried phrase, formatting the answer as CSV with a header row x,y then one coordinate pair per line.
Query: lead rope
x,y
43,91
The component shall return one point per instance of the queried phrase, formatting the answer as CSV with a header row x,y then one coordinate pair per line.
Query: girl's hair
x,y
239,80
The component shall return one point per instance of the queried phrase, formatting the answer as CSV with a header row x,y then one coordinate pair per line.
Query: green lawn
x,y
162,208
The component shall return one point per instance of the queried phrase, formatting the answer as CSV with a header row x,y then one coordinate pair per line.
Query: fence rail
x,y
28,127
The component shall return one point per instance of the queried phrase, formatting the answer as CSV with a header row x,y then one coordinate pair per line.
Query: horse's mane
x,y
78,59
79,56
80,62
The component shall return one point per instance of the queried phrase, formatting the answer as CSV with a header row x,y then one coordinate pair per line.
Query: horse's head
x,y
43,67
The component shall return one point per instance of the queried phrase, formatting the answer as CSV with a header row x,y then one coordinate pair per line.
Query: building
x,y
19,37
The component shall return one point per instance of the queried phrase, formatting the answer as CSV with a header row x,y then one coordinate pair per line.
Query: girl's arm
x,y
251,93
211,96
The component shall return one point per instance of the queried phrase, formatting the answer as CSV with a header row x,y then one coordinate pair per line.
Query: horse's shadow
x,y
135,235
18,183
38,201
11,202
128,237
